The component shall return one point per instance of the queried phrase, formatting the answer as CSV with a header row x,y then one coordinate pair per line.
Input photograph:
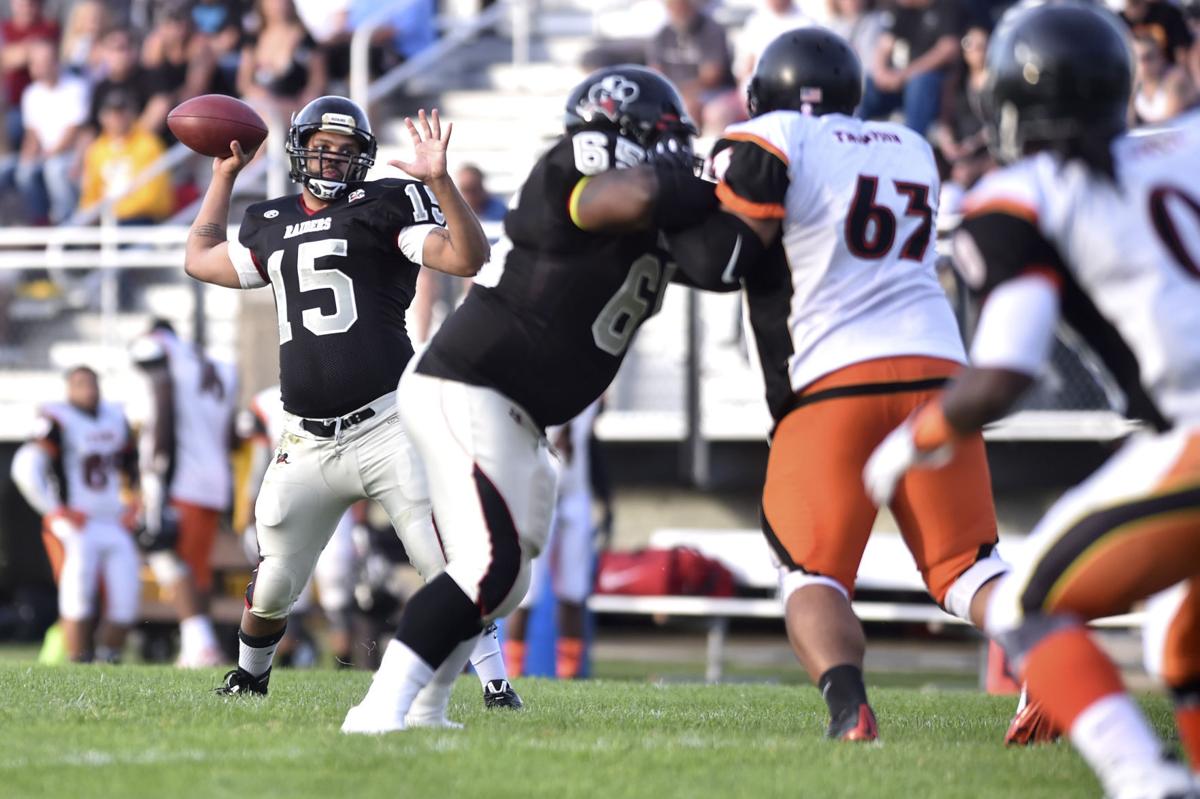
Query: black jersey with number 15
x,y
549,318
341,288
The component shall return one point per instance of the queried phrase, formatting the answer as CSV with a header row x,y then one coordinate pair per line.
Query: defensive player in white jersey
x,y
337,567
187,477
853,332
1100,230
71,472
568,560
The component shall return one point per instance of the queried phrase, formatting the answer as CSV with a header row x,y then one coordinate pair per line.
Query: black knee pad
x,y
437,619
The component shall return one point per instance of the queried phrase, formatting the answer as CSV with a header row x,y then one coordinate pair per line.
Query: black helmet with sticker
x,y
334,115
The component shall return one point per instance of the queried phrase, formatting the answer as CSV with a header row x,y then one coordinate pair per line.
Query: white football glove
x,y
894,456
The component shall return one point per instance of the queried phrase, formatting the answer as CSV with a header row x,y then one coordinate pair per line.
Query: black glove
x,y
158,535
675,149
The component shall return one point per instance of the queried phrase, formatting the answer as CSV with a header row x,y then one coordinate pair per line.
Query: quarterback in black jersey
x,y
538,338
342,259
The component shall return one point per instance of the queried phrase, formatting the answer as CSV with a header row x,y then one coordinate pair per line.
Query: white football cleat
x,y
364,719
433,722
208,657
1164,779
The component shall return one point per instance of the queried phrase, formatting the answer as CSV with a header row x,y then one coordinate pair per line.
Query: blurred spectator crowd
x,y
87,85
923,62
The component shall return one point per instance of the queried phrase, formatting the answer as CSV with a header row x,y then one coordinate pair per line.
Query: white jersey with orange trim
x,y
88,452
205,403
857,201
1123,254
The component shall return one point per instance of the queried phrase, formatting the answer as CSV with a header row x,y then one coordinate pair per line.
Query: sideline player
x,y
71,474
187,479
1098,229
337,567
568,561
854,332
538,338
342,259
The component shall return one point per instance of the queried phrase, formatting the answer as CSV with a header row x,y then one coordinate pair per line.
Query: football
x,y
208,123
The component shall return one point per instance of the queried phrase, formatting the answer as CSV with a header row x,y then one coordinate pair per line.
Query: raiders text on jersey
x,y
342,284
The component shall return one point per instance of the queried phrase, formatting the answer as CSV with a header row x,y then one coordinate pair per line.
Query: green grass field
x,y
146,731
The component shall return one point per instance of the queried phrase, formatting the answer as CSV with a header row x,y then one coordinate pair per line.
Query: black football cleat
x,y
854,724
239,682
499,693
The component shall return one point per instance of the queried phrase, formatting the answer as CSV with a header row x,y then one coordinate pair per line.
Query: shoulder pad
x,y
269,210
1011,190
384,185
770,131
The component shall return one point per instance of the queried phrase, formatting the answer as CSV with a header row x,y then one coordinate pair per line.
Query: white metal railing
x,y
363,92
178,154
107,248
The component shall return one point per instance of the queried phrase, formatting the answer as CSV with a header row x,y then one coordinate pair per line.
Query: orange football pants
x,y
197,534
816,513
1113,557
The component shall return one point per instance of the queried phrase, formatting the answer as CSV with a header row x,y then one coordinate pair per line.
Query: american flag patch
x,y
810,94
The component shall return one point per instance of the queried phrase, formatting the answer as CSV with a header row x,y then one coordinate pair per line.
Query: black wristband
x,y
683,199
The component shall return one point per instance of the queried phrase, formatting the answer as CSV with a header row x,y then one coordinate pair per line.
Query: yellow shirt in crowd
x,y
110,165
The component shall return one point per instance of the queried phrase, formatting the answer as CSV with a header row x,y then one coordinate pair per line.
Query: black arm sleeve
x,y
755,182
996,246
714,254
164,423
682,197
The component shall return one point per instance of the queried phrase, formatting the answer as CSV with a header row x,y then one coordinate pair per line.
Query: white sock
x,y
487,660
1111,734
431,702
256,659
196,634
401,676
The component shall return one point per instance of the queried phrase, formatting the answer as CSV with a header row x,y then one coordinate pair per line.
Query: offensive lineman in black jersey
x,y
342,258
538,338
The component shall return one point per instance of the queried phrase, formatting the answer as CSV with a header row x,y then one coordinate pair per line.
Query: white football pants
x,y
312,481
491,480
100,550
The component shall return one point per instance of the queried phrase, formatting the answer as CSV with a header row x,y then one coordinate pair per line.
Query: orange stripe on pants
x,y
814,500
1129,563
1141,556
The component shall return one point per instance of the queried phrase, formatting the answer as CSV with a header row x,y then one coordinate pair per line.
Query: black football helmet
x,y
811,70
336,115
1059,78
636,103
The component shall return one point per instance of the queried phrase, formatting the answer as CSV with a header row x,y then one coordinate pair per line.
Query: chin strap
x,y
325,189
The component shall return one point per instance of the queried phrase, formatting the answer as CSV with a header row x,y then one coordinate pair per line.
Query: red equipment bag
x,y
659,572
